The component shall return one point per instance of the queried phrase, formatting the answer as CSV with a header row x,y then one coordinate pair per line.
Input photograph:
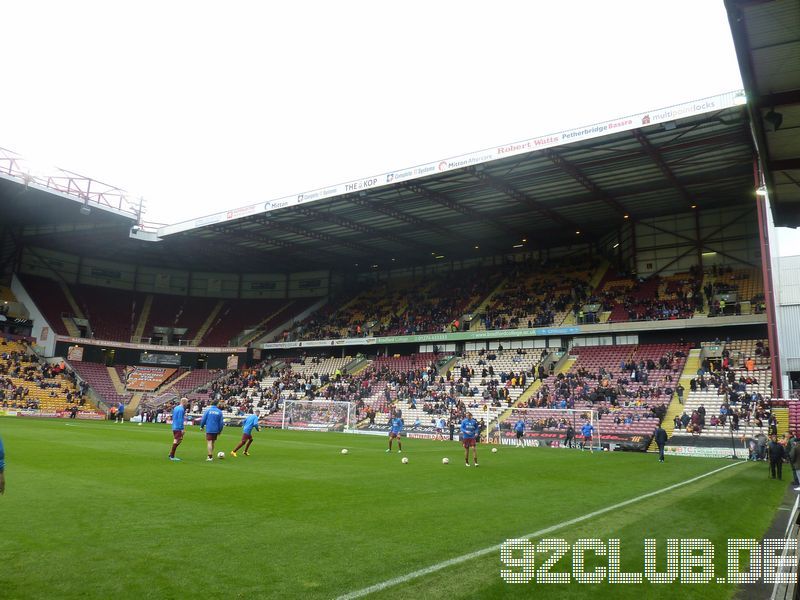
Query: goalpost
x,y
547,427
317,415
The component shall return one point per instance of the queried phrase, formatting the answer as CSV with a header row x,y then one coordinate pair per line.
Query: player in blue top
x,y
250,423
2,468
519,429
178,415
213,423
587,431
394,432
120,413
469,431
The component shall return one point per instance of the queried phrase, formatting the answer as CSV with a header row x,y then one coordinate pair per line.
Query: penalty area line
x,y
484,551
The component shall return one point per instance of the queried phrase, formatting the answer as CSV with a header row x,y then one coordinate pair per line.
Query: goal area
x,y
317,415
548,427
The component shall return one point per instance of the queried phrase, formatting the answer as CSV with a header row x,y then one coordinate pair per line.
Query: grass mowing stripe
x,y
478,553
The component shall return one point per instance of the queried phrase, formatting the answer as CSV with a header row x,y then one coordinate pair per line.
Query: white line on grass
x,y
465,557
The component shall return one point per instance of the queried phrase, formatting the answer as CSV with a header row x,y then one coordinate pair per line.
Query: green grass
x,y
95,510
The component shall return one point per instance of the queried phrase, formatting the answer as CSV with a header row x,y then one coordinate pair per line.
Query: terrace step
x,y
72,329
71,300
133,405
119,387
782,416
534,387
675,408
599,275
259,328
143,317
207,323
481,308
172,383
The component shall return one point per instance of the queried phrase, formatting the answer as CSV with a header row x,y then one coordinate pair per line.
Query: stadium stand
x,y
536,296
730,393
28,383
628,385
99,381
49,299
655,299
112,314
238,315
403,307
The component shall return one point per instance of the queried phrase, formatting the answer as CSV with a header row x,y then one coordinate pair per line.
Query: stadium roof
x,y
767,40
544,196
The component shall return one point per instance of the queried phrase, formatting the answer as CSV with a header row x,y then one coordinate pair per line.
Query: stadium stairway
x,y
782,416
133,405
207,323
707,278
483,304
143,317
72,329
76,310
119,387
450,364
534,387
172,383
598,275
259,329
361,367
676,408
350,302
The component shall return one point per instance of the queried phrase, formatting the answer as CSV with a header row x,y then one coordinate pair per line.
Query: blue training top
x,y
519,426
177,418
249,423
397,425
212,420
587,430
2,457
469,427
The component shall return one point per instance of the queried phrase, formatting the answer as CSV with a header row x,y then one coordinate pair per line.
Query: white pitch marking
x,y
465,557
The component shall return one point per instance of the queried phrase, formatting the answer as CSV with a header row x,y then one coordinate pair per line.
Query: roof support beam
x,y
658,158
440,198
525,199
288,250
407,244
785,164
573,171
390,211
778,99
702,243
316,235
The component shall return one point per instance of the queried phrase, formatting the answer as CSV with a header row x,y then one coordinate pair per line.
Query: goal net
x,y
554,427
317,415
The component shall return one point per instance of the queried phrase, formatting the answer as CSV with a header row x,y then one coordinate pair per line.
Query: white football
x,y
344,450
405,460
494,450
220,455
445,461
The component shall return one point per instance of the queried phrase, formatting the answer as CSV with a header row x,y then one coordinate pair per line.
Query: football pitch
x,y
96,510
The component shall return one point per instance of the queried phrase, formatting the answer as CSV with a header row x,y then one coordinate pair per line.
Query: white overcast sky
x,y
200,106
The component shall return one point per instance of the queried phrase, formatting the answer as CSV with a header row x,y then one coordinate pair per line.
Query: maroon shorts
x,y
177,434
587,438
246,437
468,442
211,436
393,435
